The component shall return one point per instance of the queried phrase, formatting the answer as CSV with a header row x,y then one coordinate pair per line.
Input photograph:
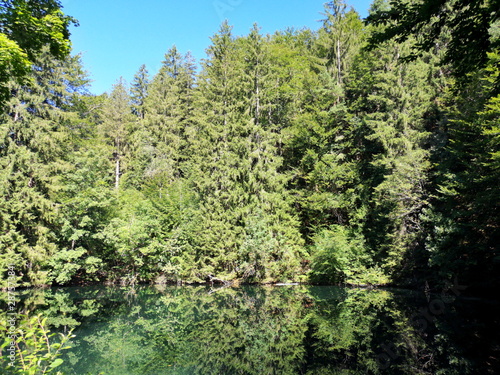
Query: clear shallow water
x,y
271,330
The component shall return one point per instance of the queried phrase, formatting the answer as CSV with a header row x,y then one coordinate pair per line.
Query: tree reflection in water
x,y
267,330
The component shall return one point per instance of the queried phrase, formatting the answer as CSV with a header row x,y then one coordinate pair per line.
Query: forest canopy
x,y
323,156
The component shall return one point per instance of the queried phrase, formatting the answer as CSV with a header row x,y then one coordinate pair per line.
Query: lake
x,y
271,330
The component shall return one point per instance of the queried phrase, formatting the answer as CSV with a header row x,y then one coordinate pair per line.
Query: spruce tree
x,y
247,228
117,120
394,100
462,222
216,167
339,39
164,158
36,123
168,107
272,245
139,91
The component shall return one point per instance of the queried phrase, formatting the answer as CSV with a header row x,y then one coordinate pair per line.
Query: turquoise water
x,y
270,330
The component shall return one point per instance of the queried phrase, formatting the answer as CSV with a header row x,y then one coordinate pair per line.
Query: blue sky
x,y
117,36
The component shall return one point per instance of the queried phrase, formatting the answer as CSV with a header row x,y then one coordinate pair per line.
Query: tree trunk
x,y
117,172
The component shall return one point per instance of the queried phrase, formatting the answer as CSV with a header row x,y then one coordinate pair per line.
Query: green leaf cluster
x,y
37,350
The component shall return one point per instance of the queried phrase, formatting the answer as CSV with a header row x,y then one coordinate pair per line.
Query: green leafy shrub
x,y
36,349
339,256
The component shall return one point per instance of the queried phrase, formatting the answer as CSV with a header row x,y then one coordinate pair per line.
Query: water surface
x,y
271,330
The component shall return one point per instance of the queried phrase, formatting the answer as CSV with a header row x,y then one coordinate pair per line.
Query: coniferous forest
x,y
363,152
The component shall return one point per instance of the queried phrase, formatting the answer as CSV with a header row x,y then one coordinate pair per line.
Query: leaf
x,y
56,363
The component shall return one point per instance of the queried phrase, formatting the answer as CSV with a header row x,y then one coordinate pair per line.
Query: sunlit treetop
x,y
25,27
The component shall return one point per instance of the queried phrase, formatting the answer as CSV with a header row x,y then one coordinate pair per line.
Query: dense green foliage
x,y
26,27
468,25
297,156
33,348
